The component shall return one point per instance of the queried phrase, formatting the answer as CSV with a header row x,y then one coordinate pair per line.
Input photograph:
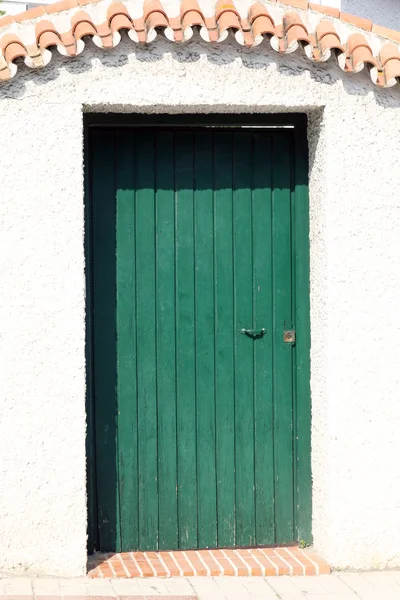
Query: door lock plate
x,y
289,336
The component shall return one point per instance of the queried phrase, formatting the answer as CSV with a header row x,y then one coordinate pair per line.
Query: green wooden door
x,y
196,436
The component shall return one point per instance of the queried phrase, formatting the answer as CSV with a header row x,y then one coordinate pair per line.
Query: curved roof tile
x,y
287,25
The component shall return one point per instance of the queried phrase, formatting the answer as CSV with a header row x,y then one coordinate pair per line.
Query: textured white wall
x,y
42,424
355,285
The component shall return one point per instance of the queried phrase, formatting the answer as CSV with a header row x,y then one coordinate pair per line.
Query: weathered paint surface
x,y
193,246
355,285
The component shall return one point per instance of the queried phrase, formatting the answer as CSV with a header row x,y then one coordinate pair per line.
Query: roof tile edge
x,y
352,56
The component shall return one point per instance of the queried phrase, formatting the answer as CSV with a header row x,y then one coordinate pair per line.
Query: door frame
x,y
301,286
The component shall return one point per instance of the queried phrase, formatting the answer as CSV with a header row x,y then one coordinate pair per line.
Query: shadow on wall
x,y
261,58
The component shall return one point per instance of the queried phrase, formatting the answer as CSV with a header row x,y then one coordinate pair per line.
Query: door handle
x,y
254,333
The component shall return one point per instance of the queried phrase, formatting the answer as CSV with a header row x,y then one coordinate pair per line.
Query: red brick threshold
x,y
243,562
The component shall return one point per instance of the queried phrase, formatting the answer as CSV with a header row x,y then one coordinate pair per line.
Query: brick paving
x,y
382,585
259,562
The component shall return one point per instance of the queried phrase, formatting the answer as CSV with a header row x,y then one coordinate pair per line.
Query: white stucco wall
x,y
355,285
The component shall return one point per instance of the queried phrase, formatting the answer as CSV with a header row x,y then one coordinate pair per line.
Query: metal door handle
x,y
254,332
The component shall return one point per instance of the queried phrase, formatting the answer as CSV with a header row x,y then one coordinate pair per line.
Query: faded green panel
x,y
283,319
126,340
204,339
146,343
104,339
202,434
263,357
244,343
301,276
185,335
165,328
225,338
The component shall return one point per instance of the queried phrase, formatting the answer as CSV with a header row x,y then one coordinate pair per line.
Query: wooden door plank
x,y
282,295
146,344
204,332
103,148
244,344
126,339
263,360
165,327
301,259
225,331
205,432
185,334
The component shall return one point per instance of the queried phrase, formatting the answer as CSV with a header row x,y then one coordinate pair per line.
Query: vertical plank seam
x,y
216,452
177,386
117,466
156,336
293,351
235,340
302,349
255,325
136,355
273,333
196,416
195,330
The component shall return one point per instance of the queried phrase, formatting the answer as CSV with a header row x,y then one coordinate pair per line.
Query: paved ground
x,y
338,586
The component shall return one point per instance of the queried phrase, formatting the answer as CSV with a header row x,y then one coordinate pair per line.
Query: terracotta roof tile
x,y
327,10
285,23
327,40
356,21
386,33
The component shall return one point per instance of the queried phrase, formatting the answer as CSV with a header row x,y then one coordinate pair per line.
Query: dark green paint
x,y
204,340
282,352
185,342
263,361
202,434
224,337
127,453
165,328
104,338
